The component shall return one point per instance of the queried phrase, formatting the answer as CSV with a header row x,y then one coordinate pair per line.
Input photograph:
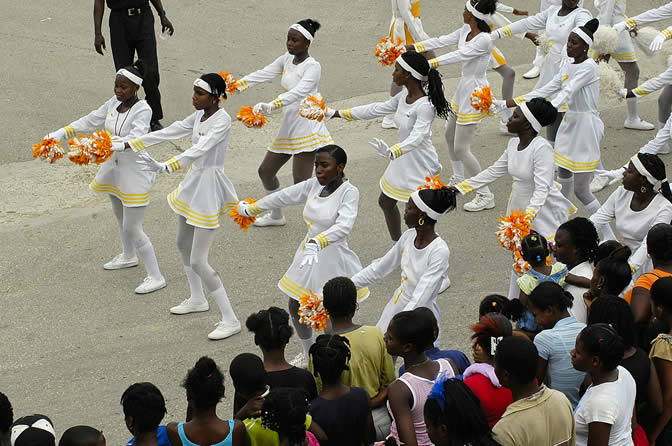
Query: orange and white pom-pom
x,y
231,82
95,148
543,43
48,149
387,50
243,221
251,119
312,312
521,266
432,183
481,99
512,229
313,107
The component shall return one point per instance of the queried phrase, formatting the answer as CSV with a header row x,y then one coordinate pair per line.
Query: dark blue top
x,y
459,358
161,437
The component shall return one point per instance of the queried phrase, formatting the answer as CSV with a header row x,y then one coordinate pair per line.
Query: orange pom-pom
x,y
481,99
251,119
313,107
432,183
243,222
387,50
231,82
312,312
512,229
49,150
95,148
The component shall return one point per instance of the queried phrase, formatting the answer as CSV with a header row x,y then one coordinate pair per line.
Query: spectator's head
x,y
271,328
516,362
534,248
249,378
408,332
204,384
598,349
144,407
6,415
495,303
340,298
659,244
611,274
604,249
548,302
429,317
453,415
576,241
616,312
33,430
488,332
285,412
661,299
330,355
82,436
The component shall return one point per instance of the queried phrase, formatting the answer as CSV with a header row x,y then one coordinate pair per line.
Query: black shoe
x,y
155,125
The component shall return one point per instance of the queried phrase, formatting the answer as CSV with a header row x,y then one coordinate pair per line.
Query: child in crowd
x,y
343,412
6,419
661,354
496,303
144,408
611,276
82,436
285,411
33,430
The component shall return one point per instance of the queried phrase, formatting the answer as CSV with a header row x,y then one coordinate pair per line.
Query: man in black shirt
x,y
131,30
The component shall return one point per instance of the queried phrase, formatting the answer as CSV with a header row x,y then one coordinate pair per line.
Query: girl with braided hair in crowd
x,y
343,412
414,157
284,412
204,194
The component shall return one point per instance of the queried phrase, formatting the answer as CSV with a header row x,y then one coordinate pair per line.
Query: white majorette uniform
x,y
296,134
205,193
406,24
659,144
634,225
533,189
121,175
651,16
330,220
557,30
422,272
474,56
610,13
415,157
577,144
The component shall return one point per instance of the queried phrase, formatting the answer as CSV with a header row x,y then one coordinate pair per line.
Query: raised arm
x,y
370,111
478,47
438,42
267,73
176,130
89,123
532,23
295,194
650,16
654,84
497,170
345,220
218,133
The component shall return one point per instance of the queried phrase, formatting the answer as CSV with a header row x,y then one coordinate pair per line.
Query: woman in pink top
x,y
408,336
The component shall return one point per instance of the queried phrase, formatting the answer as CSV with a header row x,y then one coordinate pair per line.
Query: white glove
x,y
657,43
58,135
310,251
329,113
619,27
244,209
614,175
118,146
623,92
498,106
263,108
149,164
381,147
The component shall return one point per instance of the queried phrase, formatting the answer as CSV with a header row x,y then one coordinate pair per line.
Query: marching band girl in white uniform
x,y
420,252
125,117
474,48
204,194
413,158
330,210
298,138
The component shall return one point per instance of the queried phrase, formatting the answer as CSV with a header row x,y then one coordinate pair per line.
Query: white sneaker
x,y
444,285
388,123
268,220
224,329
149,285
480,202
533,73
190,306
598,183
638,124
120,262
299,361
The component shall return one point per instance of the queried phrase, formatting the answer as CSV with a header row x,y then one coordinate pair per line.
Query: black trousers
x,y
129,34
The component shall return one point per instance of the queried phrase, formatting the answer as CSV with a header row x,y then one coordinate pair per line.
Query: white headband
x,y
415,196
530,117
579,32
410,69
203,84
476,13
41,423
137,80
645,173
303,31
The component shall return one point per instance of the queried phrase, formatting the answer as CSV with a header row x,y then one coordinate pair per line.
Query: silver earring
x,y
643,190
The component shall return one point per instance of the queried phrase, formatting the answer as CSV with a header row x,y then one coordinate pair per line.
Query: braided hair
x,y
330,355
434,86
271,328
659,243
583,235
340,297
285,411
205,383
145,403
534,248
601,340
616,312
656,168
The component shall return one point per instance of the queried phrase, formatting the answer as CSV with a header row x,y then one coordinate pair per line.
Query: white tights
x,y
459,139
133,238
194,245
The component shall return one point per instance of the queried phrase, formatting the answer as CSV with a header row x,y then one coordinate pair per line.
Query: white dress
x,y
415,155
330,220
533,189
120,176
577,144
422,272
406,24
633,225
206,192
296,134
611,12
474,56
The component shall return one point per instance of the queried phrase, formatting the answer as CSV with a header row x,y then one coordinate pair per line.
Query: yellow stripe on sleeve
x,y
434,63
70,131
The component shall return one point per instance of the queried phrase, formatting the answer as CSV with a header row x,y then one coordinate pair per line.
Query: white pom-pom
x,y
605,40
644,37
610,81
543,43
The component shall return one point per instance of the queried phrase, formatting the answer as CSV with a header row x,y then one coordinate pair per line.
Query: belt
x,y
132,11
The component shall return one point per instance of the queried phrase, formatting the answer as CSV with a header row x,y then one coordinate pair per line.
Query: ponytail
x,y
436,96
